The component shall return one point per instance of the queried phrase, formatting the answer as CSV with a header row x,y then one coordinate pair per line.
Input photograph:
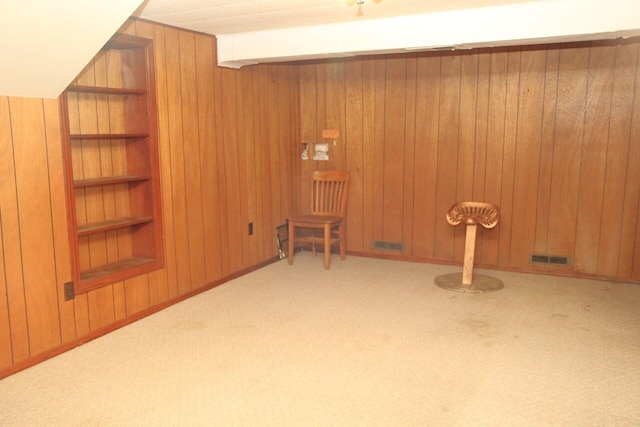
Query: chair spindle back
x,y
329,193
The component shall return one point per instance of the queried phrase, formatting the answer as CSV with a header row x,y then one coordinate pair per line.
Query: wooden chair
x,y
326,223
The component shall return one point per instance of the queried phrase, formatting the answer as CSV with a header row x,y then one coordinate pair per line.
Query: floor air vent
x,y
390,246
545,259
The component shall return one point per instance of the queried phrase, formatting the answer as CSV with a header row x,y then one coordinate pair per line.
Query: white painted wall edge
x,y
44,44
541,21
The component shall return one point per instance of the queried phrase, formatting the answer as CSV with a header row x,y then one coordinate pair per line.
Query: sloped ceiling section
x,y
44,44
541,21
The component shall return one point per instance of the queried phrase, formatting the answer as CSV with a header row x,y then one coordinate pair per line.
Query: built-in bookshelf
x,y
109,128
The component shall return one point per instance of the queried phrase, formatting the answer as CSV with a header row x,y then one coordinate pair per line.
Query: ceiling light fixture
x,y
360,3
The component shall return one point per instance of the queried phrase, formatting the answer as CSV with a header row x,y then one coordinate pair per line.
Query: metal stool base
x,y
480,283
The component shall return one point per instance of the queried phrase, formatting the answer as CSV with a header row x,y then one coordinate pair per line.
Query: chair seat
x,y
316,220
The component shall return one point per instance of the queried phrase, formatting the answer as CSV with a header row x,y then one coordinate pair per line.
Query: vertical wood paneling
x,y
634,172
223,233
629,263
6,195
466,141
615,179
36,236
335,113
448,134
101,305
206,149
321,114
495,147
545,132
354,142
273,161
241,159
136,294
232,174
594,157
426,156
368,154
509,148
308,134
394,138
190,123
158,284
164,148
527,156
543,201
379,148
567,149
208,157
287,124
17,319
58,217
6,358
178,213
480,150
264,237
409,153
468,120
262,187
254,242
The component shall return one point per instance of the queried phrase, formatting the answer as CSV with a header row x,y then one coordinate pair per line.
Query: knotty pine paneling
x,y
226,159
549,133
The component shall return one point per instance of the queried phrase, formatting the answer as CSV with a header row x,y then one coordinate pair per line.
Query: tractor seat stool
x,y
471,214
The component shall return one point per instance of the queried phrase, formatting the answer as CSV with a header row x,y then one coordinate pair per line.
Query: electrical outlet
x,y
69,293
250,228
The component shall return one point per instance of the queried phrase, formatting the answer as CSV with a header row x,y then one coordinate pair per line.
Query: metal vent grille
x,y
546,259
391,246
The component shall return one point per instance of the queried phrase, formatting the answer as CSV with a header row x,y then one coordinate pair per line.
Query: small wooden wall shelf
x,y
109,132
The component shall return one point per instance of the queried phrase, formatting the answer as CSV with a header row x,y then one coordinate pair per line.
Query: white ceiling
x,y
258,31
44,44
238,16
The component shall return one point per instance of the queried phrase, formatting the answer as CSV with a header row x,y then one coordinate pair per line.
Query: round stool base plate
x,y
479,284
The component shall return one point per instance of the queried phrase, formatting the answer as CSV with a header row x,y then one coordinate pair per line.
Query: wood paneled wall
x,y
549,133
226,160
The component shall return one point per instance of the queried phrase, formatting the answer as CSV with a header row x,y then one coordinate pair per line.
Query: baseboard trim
x,y
536,270
63,348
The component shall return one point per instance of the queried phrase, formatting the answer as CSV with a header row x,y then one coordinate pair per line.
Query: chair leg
x,y
292,235
327,246
343,243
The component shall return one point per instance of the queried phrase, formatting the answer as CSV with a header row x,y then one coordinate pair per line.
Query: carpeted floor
x,y
367,343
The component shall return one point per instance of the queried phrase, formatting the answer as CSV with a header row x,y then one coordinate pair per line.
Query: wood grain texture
x,y
353,140
425,185
546,132
36,236
221,148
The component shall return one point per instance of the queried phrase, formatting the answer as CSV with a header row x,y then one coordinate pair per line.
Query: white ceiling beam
x,y
541,21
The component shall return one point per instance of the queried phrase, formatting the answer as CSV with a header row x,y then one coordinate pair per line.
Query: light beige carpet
x,y
367,343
